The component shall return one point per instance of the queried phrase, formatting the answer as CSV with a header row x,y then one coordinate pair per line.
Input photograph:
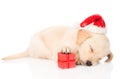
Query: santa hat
x,y
94,23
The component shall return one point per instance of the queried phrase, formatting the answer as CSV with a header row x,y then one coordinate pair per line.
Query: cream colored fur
x,y
86,45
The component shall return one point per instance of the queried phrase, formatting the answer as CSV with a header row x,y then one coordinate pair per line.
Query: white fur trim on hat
x,y
94,29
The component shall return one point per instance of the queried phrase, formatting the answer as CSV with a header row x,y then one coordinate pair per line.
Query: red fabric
x,y
96,19
66,60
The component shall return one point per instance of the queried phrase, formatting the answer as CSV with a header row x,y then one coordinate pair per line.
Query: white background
x,y
20,19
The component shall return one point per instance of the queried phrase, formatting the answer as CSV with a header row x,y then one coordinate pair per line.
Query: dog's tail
x,y
16,56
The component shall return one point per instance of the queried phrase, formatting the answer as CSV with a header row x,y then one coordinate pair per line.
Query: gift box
x,y
66,60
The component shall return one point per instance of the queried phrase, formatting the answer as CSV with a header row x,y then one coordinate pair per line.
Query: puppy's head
x,y
92,48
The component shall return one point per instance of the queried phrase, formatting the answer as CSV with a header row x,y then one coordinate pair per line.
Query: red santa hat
x,y
94,23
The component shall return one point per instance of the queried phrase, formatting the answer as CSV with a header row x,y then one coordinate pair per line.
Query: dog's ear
x,y
82,36
110,57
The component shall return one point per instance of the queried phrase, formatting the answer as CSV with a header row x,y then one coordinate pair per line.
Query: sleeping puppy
x,y
88,47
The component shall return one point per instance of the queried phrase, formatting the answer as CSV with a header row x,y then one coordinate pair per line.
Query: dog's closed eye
x,y
91,49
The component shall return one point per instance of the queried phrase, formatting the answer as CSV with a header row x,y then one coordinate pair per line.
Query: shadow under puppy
x,y
88,46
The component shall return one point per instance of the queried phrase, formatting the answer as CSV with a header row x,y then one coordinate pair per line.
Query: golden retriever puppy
x,y
88,47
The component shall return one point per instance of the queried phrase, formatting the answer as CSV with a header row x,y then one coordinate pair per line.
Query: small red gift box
x,y
66,60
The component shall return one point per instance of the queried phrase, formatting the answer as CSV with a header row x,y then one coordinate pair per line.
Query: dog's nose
x,y
89,63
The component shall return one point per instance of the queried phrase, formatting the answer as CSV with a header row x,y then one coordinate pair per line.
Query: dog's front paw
x,y
66,50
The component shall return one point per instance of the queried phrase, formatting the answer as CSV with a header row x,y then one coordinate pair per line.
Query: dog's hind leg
x,y
15,56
